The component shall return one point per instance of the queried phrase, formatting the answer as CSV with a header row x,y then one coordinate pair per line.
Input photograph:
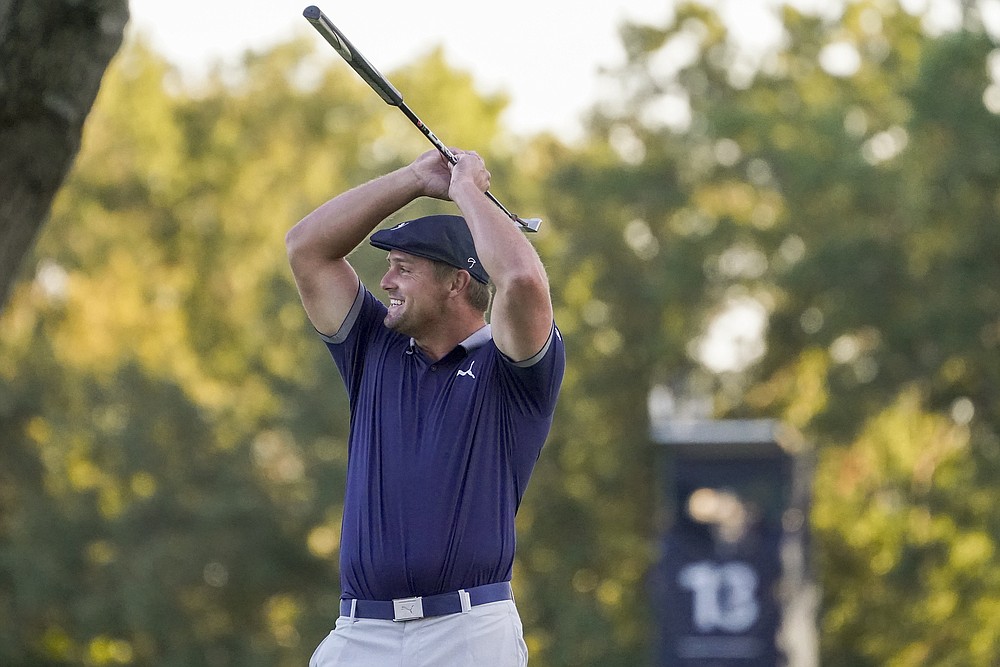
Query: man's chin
x,y
397,324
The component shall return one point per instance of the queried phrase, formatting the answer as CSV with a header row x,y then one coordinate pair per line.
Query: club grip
x,y
354,58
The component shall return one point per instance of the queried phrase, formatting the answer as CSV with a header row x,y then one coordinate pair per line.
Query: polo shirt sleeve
x,y
534,383
349,345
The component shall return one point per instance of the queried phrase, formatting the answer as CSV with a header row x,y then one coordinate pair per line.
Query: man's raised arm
x,y
521,316
319,244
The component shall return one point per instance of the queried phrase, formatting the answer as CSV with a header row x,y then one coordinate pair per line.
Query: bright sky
x,y
545,54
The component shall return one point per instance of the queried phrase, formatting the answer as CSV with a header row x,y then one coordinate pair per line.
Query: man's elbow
x,y
294,242
300,248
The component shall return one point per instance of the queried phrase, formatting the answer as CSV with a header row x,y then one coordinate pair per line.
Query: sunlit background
x,y
548,56
551,59
757,212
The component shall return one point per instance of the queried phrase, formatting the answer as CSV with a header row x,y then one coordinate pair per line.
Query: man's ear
x,y
459,281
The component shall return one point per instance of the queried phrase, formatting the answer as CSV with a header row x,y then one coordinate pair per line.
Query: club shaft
x,y
450,156
431,137
391,96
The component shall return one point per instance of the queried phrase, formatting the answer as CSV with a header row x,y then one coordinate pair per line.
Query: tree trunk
x,y
53,54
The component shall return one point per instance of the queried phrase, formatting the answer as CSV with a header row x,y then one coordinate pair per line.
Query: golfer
x,y
448,413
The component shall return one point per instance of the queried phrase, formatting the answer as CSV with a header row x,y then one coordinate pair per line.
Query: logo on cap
x,y
472,262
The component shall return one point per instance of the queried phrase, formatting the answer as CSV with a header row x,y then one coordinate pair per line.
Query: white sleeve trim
x,y
352,316
531,361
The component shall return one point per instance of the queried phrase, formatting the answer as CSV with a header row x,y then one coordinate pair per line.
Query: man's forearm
x,y
337,227
502,248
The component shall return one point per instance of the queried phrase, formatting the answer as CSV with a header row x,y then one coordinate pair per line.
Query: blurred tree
x,y
53,54
173,429
843,181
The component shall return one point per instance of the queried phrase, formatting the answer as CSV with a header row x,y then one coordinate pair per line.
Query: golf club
x,y
393,97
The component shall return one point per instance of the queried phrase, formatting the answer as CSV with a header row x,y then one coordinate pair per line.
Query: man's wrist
x,y
410,182
464,191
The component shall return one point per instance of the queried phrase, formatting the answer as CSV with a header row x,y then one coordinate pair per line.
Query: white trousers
x,y
488,635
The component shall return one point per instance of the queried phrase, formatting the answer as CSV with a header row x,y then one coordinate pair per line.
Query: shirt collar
x,y
479,338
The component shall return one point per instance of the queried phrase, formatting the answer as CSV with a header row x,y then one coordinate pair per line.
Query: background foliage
x,y
173,432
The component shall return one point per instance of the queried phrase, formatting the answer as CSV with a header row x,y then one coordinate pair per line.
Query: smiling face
x,y
417,295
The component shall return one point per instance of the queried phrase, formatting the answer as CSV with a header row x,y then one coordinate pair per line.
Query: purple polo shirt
x,y
439,456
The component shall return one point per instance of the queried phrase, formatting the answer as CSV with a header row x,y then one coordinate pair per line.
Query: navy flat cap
x,y
444,238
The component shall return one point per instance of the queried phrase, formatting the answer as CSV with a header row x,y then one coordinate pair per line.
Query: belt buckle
x,y
407,609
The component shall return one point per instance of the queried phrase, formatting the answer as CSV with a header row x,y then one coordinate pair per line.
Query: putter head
x,y
530,224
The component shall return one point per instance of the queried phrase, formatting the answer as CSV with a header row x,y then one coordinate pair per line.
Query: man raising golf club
x,y
448,413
